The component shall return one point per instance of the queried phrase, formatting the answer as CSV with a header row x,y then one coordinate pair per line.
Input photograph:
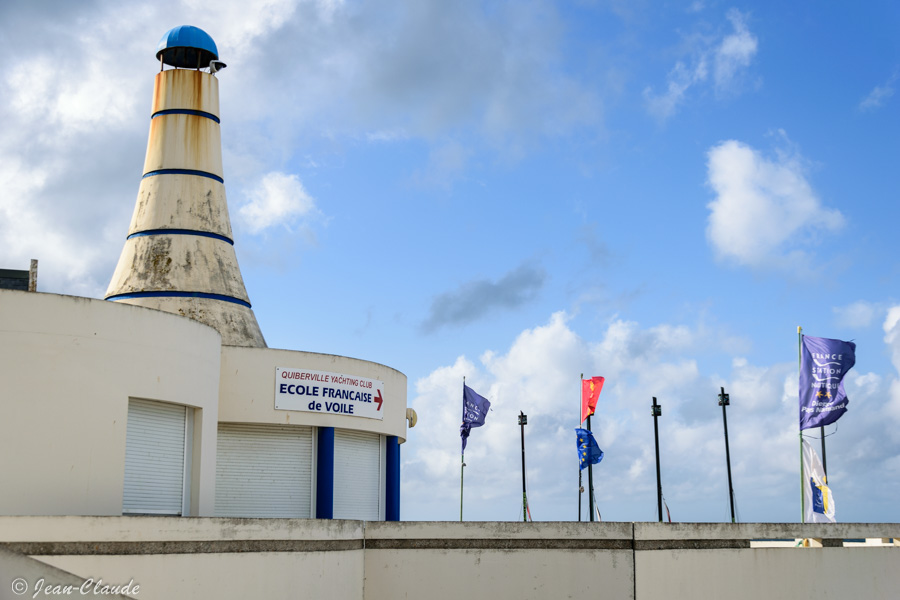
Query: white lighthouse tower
x,y
179,254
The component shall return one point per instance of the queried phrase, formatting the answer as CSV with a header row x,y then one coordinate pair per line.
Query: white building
x,y
164,399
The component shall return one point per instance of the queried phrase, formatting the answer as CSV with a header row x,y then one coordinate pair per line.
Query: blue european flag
x,y
589,453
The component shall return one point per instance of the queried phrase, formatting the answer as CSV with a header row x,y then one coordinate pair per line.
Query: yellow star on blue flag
x,y
589,453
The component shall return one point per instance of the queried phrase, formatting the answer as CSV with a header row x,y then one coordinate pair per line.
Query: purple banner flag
x,y
823,364
475,409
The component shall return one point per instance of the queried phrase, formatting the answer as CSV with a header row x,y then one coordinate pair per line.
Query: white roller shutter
x,y
155,458
358,475
264,471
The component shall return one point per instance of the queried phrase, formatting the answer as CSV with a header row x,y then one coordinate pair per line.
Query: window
x,y
157,458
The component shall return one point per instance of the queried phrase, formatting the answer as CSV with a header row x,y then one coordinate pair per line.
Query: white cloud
x,y
764,208
78,140
278,199
735,52
892,333
858,314
445,164
424,69
680,80
729,55
880,94
387,136
538,375
892,339
299,70
238,25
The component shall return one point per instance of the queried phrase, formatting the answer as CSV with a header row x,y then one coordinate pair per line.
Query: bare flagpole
x,y
590,479
724,401
523,421
656,411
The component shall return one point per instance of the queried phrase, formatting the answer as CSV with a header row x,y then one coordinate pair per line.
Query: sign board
x,y
332,393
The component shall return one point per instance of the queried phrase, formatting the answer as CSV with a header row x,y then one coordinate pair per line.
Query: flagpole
x,y
723,402
462,458
590,479
580,486
579,495
656,411
523,420
802,482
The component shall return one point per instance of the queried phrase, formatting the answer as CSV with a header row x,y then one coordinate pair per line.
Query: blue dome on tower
x,y
187,47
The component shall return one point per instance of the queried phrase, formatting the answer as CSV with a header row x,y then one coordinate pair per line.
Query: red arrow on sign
x,y
379,400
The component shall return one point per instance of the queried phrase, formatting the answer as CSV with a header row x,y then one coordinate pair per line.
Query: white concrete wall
x,y
451,561
191,558
715,560
248,389
68,367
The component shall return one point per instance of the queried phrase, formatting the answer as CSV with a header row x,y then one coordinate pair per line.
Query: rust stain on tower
x,y
179,254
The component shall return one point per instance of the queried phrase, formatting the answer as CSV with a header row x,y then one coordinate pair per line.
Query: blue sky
x,y
518,193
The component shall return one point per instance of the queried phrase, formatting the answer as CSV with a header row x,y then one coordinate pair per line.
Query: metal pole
x,y
657,411
580,490
523,419
802,481
824,462
590,480
723,402
580,470
462,466
462,456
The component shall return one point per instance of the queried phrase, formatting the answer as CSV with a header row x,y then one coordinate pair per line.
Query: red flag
x,y
590,391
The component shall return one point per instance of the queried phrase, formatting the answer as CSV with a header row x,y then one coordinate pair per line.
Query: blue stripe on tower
x,y
208,234
174,294
392,479
325,474
185,111
183,172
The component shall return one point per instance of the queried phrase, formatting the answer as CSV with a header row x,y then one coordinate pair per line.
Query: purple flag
x,y
475,408
823,364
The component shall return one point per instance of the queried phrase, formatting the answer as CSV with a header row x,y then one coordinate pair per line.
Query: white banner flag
x,y
819,503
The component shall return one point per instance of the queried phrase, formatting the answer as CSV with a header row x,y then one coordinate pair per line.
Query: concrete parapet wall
x,y
198,558
747,561
304,558
498,560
